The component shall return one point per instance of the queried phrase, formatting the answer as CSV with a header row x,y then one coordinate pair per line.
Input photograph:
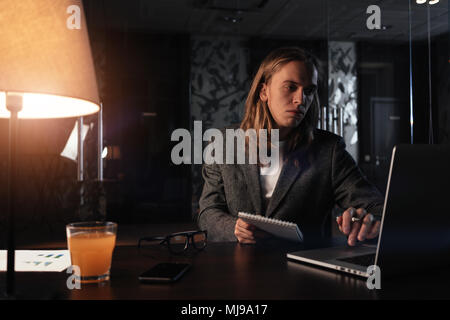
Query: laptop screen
x,y
415,232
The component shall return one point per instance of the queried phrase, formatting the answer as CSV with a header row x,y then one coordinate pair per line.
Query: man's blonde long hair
x,y
257,114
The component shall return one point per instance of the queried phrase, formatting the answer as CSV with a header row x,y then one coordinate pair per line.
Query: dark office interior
x,y
161,65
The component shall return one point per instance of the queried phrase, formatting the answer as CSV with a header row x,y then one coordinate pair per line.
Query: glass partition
x,y
161,65
384,79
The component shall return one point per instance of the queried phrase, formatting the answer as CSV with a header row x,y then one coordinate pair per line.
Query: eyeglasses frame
x,y
189,239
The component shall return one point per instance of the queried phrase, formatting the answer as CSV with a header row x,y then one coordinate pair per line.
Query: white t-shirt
x,y
268,176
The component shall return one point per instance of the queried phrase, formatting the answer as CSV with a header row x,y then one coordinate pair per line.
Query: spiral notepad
x,y
279,228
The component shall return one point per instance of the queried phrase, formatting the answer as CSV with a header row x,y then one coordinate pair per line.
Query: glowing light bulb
x,y
44,106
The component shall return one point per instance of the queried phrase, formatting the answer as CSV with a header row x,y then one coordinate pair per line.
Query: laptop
x,y
415,225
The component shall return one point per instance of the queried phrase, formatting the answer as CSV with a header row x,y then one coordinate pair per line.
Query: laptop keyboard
x,y
364,260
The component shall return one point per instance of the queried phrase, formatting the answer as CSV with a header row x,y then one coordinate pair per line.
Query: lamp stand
x,y
14,103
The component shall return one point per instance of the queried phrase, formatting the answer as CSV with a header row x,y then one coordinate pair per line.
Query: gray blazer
x,y
313,179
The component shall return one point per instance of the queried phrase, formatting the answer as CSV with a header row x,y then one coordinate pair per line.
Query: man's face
x,y
289,93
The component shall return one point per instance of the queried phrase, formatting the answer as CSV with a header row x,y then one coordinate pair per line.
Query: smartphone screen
x,y
164,272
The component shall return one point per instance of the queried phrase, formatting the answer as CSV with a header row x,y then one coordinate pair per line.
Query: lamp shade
x,y
45,57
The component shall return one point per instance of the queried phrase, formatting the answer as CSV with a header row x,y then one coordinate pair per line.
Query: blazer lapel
x,y
293,166
251,173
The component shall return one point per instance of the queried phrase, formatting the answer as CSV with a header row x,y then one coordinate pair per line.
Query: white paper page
x,y
71,149
38,260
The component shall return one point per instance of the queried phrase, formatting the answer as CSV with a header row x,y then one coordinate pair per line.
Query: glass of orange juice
x,y
91,245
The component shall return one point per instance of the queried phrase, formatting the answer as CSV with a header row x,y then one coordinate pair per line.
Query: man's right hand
x,y
248,233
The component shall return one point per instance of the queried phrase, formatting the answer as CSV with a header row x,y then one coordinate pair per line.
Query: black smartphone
x,y
165,272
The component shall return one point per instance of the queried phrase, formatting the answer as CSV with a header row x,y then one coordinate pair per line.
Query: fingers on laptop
x,y
370,228
374,230
356,226
347,225
366,227
345,221
339,222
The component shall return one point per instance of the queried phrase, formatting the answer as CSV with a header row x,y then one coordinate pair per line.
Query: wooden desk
x,y
228,271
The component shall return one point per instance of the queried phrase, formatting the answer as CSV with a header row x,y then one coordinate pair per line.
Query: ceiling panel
x,y
302,19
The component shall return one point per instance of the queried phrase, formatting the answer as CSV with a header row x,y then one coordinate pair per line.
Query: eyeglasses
x,y
180,241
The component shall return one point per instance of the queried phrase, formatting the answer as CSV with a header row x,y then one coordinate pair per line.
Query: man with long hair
x,y
315,172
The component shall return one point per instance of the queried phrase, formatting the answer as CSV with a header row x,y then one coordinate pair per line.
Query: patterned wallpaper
x,y
219,87
342,89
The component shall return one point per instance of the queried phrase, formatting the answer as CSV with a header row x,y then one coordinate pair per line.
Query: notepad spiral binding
x,y
266,219
279,228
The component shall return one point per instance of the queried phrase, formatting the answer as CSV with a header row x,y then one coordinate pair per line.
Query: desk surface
x,y
227,271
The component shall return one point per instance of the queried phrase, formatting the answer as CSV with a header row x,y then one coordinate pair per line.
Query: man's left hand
x,y
365,228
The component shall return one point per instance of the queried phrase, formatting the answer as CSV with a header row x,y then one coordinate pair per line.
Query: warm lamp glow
x,y
45,60
44,106
46,71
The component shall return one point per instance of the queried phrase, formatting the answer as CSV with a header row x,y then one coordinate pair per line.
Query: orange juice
x,y
92,252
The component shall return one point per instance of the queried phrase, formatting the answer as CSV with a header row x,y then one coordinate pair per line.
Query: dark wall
x,y
441,88
440,91
146,97
383,74
47,189
144,81
421,96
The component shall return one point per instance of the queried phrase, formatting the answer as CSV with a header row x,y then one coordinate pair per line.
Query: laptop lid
x,y
415,228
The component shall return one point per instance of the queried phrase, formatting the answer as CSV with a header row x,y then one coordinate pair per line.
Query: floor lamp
x,y
46,71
